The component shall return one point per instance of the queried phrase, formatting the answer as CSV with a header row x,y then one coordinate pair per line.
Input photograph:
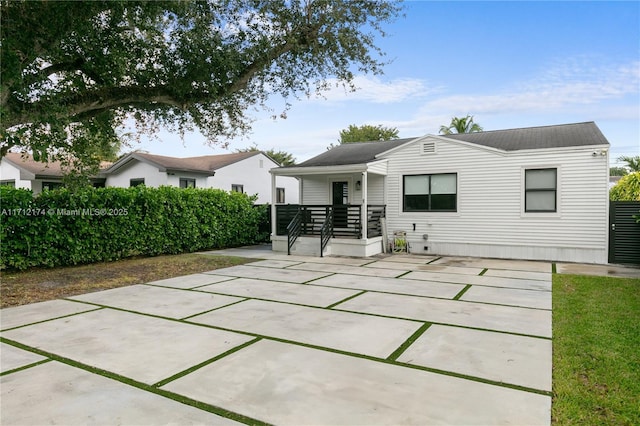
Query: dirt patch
x,y
38,285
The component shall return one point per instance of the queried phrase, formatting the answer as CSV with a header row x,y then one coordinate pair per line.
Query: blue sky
x,y
509,64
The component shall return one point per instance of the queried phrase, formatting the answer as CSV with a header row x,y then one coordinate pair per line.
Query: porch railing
x,y
326,232
294,220
293,231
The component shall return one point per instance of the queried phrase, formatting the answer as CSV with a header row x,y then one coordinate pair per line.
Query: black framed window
x,y
136,182
280,195
429,193
237,188
8,182
50,186
540,190
187,183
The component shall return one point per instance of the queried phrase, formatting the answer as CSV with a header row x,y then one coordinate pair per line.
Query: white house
x,y
246,172
22,171
531,193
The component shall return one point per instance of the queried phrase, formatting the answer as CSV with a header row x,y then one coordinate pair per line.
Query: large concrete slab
x,y
391,285
36,312
348,269
479,280
501,357
12,358
362,334
598,270
509,296
57,394
190,281
273,263
532,322
166,302
332,260
404,258
408,266
521,265
526,275
286,275
283,292
289,385
143,348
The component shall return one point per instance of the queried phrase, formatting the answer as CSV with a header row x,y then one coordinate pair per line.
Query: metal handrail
x,y
326,231
294,228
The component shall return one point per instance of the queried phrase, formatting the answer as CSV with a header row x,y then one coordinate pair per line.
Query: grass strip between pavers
x,y
403,347
462,292
484,271
140,385
24,367
346,299
204,363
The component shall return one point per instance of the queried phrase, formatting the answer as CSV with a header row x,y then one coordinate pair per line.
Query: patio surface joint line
x,y
404,346
353,296
140,385
204,363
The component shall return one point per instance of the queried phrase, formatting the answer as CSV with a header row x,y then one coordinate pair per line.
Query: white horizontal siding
x,y
490,209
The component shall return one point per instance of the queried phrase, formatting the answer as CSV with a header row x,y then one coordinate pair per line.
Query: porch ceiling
x,y
330,170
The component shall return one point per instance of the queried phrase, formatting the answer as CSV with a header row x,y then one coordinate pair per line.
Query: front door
x,y
340,200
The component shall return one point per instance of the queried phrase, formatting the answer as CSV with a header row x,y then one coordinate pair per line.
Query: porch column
x,y
273,204
363,210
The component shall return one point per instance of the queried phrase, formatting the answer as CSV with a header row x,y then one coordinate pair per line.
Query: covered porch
x,y
341,211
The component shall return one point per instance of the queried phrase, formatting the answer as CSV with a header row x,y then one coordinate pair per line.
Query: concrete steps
x,y
309,246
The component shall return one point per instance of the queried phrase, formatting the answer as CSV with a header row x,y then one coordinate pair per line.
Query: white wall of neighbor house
x,y
253,174
173,179
9,172
490,219
137,170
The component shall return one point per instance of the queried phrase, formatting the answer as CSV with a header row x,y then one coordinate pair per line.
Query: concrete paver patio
x,y
291,340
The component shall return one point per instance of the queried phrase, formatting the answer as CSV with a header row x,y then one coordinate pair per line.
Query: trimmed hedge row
x,y
60,227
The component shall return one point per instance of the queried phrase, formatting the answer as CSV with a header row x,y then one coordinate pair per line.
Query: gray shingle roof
x,y
353,153
205,163
557,136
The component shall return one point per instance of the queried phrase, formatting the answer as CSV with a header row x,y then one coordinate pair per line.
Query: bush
x,y
88,225
627,188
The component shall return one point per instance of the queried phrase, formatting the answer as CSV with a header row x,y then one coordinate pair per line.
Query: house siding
x,y
490,218
253,174
10,172
137,170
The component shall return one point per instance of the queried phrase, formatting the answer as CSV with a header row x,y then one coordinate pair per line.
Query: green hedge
x,y
61,227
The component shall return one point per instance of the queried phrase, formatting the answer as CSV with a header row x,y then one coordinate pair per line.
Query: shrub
x,y
627,188
61,227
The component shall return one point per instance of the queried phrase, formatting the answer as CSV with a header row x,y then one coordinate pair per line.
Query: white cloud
x,y
572,88
375,90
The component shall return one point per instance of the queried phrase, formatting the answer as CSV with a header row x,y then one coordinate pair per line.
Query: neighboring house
x,y
246,172
532,193
22,171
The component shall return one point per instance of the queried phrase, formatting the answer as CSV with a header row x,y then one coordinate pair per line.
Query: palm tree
x,y
461,125
633,163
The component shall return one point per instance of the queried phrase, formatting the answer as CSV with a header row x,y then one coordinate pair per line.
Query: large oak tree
x,y
74,72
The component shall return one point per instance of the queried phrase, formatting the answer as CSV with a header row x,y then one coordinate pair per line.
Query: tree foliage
x,y
367,133
74,73
627,188
633,162
618,171
281,157
461,125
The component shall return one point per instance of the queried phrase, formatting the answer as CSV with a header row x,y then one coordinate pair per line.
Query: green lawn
x,y
596,350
